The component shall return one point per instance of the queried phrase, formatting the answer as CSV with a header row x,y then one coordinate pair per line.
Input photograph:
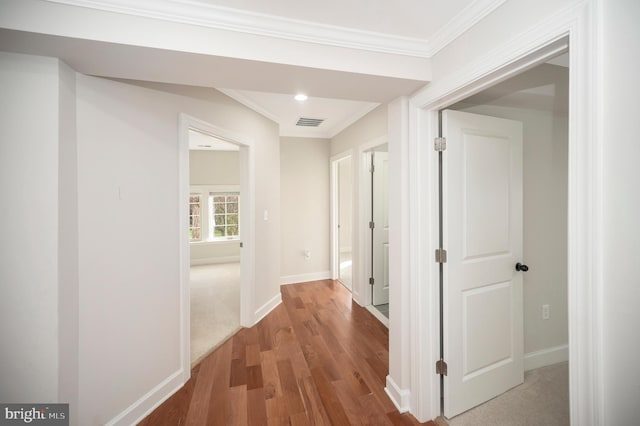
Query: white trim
x,y
379,315
215,260
260,24
348,121
247,271
362,213
150,401
245,100
461,23
585,202
264,310
304,278
399,397
333,209
544,357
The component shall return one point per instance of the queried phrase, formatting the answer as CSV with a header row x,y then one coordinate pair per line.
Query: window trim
x,y
204,192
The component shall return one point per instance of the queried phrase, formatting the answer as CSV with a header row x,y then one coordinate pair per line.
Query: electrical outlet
x,y
545,312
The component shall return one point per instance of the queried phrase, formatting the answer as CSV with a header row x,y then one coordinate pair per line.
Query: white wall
x,y
621,208
507,21
372,127
545,222
214,167
209,168
304,210
129,230
29,183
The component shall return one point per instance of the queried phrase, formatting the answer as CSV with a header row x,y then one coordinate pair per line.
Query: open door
x,y
380,194
482,230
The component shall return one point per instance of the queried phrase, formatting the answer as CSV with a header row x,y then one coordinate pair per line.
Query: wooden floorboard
x,y
316,359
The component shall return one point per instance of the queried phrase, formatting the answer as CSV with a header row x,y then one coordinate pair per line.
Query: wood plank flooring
x,y
317,359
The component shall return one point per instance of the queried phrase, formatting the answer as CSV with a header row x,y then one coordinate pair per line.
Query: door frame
x,y
363,216
420,393
247,214
334,184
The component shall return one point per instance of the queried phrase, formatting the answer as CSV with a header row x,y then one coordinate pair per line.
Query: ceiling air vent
x,y
309,122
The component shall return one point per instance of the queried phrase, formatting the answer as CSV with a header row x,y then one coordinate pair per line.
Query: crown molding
x,y
245,100
348,121
259,24
461,23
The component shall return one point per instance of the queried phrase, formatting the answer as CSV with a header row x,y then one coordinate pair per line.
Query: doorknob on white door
x,y
521,267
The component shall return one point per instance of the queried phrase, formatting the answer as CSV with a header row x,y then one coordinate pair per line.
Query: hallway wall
x,y
129,229
304,210
371,127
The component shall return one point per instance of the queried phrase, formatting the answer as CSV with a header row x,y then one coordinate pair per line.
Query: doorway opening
x,y
342,218
214,239
377,249
215,202
504,224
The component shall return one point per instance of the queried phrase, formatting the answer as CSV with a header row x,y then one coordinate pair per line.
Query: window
x,y
214,213
195,219
223,215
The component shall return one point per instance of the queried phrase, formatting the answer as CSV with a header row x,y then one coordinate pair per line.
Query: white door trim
x,y
577,24
362,216
334,204
247,215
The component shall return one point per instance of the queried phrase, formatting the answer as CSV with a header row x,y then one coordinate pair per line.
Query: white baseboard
x,y
545,357
263,310
149,402
303,278
399,397
214,260
379,316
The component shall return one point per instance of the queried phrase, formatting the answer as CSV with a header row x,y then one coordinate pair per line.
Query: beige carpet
x,y
215,306
542,400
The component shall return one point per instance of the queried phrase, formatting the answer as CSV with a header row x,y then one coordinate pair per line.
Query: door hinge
x,y
241,244
372,169
372,281
372,225
441,255
441,367
440,144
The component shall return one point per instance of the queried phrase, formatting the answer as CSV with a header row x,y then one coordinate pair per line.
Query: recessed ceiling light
x,y
301,97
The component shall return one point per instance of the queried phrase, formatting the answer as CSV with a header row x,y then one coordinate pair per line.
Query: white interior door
x,y
381,228
483,312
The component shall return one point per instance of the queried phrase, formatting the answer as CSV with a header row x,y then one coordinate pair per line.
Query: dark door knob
x,y
521,267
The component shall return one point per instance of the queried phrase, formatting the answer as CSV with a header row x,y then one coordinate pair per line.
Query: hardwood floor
x,y
317,359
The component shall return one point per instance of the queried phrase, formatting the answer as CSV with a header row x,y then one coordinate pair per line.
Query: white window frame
x,y
199,195
205,191
211,214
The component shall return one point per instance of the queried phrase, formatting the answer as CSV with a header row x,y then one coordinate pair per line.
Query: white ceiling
x,y
285,110
413,30
419,19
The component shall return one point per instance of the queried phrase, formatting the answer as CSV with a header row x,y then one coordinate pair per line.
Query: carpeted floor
x,y
215,306
542,400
